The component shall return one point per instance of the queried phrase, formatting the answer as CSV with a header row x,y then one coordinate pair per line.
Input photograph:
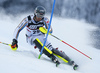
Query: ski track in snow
x,y
25,59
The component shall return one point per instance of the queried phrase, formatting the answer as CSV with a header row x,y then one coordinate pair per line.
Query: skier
x,y
36,38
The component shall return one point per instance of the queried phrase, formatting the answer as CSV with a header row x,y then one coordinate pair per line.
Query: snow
x,y
25,59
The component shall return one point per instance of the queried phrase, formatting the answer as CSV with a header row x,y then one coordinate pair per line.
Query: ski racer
x,y
36,38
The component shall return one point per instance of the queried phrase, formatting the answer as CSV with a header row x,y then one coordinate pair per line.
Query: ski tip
x,y
57,64
75,67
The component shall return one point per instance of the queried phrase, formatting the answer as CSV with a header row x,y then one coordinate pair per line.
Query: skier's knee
x,y
39,44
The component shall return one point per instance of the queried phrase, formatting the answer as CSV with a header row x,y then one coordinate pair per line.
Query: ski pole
x,y
5,44
48,29
9,45
44,30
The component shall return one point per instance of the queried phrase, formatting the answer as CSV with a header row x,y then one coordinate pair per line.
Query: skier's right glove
x,y
14,45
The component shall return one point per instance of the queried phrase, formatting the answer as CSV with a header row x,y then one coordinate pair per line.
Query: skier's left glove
x,y
14,45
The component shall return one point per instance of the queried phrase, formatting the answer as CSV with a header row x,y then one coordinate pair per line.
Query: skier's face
x,y
38,19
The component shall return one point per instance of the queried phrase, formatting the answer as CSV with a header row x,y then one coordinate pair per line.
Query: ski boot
x,y
57,62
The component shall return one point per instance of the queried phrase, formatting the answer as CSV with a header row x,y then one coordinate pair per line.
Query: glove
x,y
14,45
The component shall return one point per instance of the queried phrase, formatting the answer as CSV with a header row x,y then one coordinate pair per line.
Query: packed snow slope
x,y
25,59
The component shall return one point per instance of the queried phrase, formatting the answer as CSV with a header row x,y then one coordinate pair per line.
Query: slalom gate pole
x,y
71,46
44,30
48,29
